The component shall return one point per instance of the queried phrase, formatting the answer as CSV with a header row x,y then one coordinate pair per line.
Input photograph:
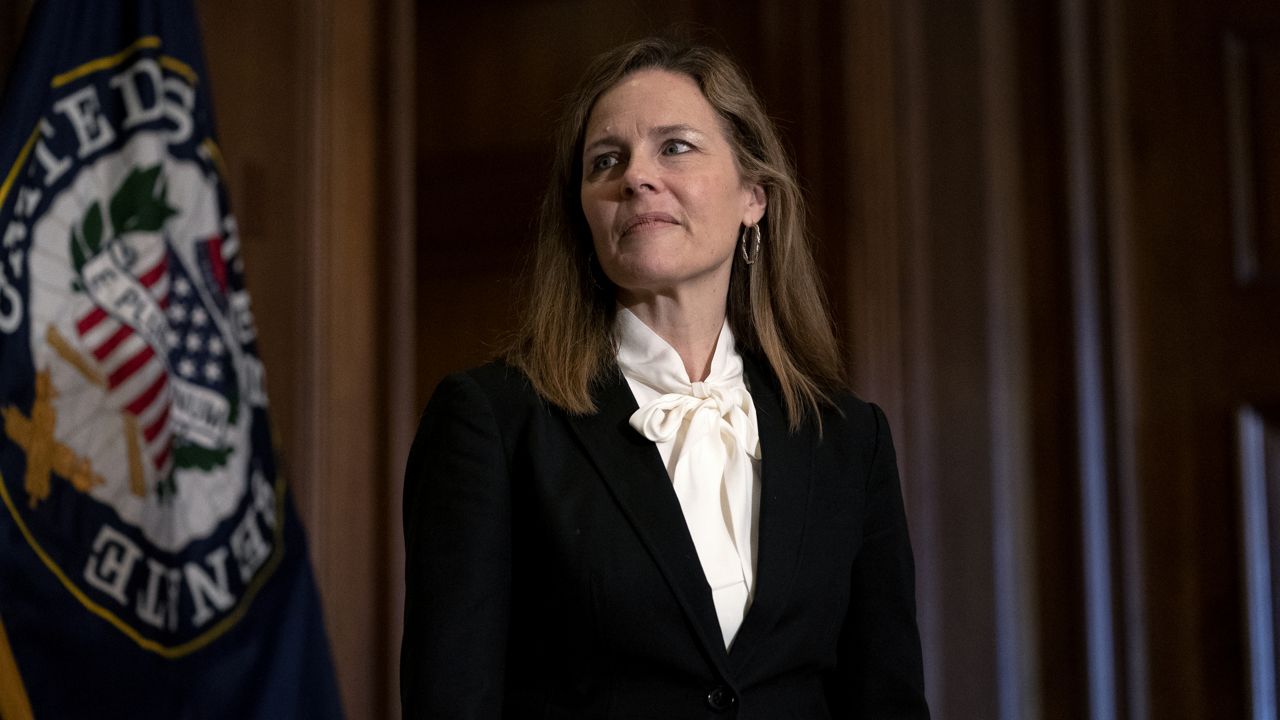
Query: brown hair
x,y
775,306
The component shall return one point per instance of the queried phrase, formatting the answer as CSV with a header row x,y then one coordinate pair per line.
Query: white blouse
x,y
709,440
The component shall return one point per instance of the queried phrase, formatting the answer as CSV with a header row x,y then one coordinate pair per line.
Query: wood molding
x,y
399,154
918,434
346,457
873,301
1092,367
1258,435
1008,360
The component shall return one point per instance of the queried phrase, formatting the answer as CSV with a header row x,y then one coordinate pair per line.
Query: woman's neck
x,y
692,329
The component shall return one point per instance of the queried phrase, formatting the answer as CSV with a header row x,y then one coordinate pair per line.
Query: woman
x,y
661,503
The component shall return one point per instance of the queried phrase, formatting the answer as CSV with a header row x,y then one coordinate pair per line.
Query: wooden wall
x,y
1050,238
315,101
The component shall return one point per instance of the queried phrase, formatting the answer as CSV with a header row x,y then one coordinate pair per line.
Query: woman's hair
x,y
775,306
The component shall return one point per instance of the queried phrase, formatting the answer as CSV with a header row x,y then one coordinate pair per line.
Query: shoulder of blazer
x,y
856,431
511,393
847,418
507,391
505,386
854,418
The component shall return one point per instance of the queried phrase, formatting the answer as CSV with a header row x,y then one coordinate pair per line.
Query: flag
x,y
151,563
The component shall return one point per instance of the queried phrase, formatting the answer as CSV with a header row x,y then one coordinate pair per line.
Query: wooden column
x,y
398,266
314,128
346,454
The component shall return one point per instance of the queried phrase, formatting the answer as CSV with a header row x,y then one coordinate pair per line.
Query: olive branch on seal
x,y
140,204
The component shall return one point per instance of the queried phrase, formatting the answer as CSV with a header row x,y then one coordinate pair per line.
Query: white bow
x,y
714,434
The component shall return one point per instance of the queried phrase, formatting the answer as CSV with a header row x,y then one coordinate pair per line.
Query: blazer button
x,y
721,698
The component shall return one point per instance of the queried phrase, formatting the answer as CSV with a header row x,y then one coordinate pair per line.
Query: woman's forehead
x,y
649,99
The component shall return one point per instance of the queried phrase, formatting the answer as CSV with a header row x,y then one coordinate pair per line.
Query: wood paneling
x,y
345,208
399,298
1094,445
1253,110
946,422
1177,308
872,302
302,104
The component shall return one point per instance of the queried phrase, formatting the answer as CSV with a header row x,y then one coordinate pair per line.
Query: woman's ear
x,y
755,205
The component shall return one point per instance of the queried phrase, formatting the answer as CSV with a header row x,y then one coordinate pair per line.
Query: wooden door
x,y
1192,192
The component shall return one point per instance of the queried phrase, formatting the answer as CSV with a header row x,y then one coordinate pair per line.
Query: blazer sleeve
x,y
880,671
457,528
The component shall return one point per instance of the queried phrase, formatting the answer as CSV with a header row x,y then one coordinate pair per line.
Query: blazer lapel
x,y
786,469
632,468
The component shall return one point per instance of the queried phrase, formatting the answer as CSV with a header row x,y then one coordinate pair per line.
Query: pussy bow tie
x,y
712,425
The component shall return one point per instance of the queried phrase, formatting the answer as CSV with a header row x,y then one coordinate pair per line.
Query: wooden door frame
x,y
361,340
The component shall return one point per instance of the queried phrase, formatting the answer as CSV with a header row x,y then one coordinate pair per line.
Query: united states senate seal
x,y
135,457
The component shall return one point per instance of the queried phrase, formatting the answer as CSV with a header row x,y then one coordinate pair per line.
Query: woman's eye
x,y
603,162
676,147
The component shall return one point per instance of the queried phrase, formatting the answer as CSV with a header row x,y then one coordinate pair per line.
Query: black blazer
x,y
550,573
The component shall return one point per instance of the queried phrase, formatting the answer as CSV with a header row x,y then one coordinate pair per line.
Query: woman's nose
x,y
640,176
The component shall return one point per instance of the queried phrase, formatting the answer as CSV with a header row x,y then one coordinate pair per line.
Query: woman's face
x,y
660,188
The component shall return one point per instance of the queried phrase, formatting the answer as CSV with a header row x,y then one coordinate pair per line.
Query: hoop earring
x,y
749,256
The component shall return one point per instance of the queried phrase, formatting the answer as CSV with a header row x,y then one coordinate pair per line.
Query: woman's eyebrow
x,y
674,129
606,140
659,131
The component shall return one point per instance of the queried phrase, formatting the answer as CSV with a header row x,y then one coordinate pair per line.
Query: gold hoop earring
x,y
750,256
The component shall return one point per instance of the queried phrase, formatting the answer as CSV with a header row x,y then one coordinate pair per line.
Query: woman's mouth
x,y
646,221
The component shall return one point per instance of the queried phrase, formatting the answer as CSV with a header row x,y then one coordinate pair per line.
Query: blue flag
x,y
151,564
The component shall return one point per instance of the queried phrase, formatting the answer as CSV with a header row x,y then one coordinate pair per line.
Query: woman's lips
x,y
645,221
